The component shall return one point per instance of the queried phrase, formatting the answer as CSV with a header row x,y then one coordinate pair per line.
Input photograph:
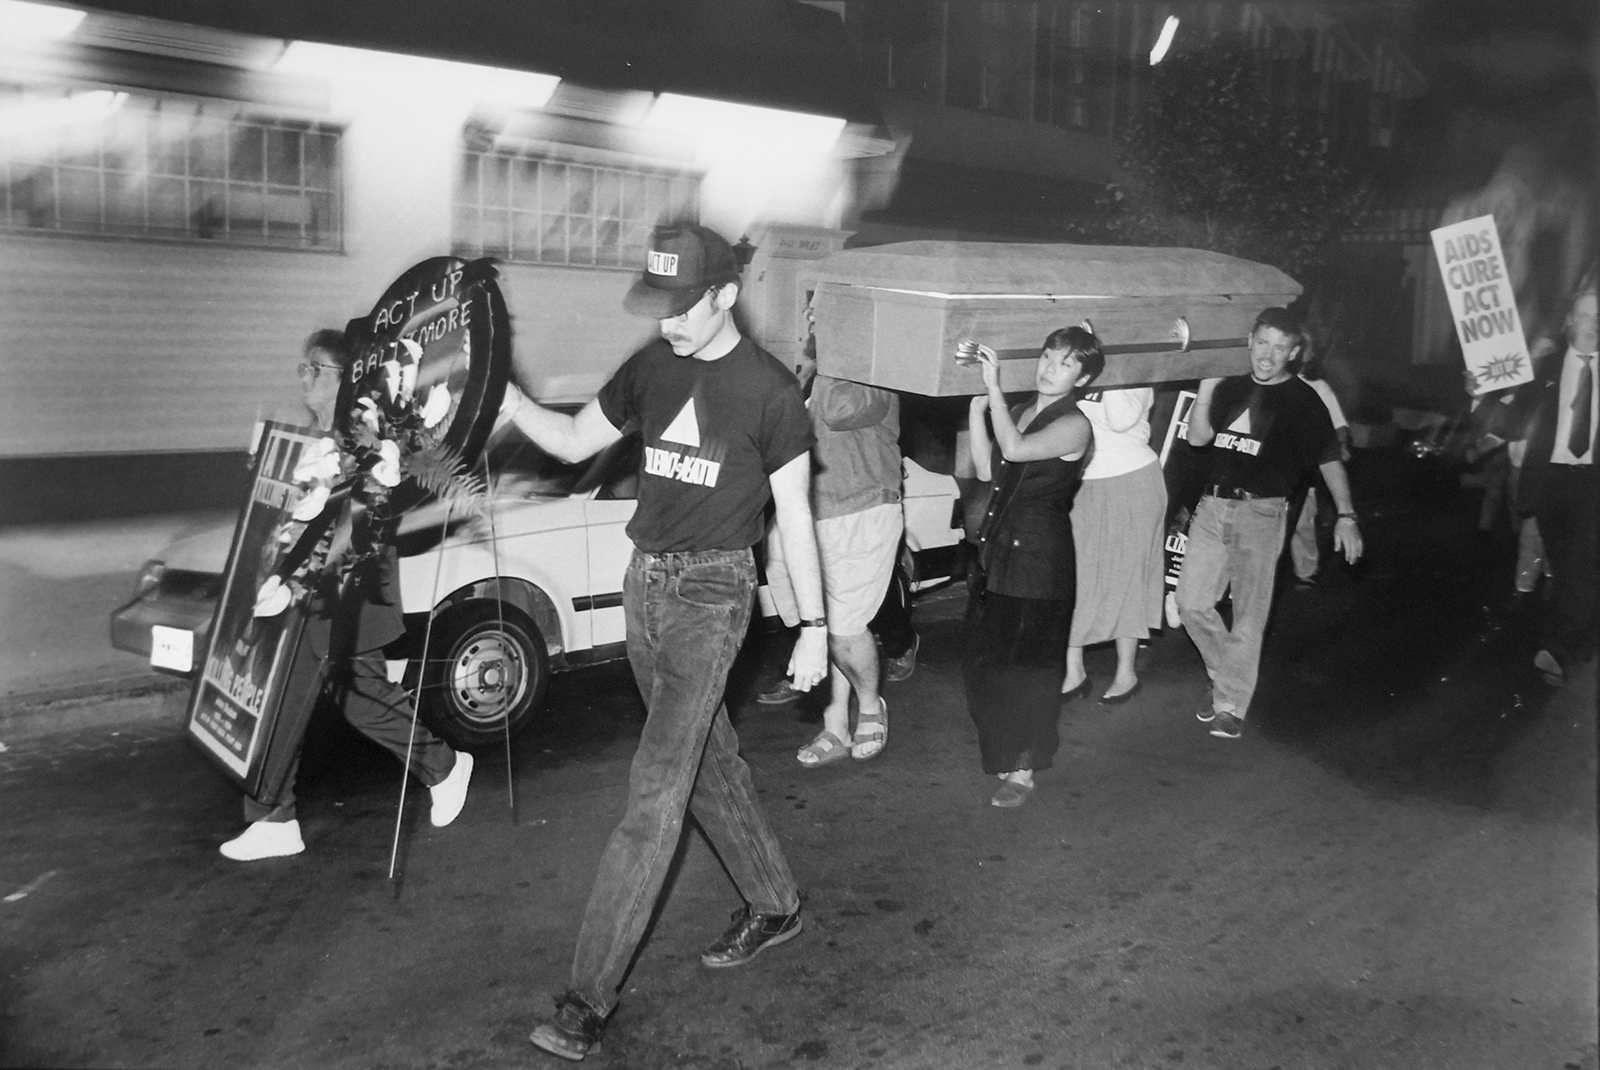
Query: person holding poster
x,y
350,628
1267,431
1304,553
1558,483
724,431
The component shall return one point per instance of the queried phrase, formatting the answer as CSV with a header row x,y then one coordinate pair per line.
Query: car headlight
x,y
150,578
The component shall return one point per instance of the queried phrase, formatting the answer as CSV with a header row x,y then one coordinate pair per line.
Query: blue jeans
x,y
687,614
1233,545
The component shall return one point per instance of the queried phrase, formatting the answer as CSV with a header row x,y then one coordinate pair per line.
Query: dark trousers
x,y
687,615
1566,513
376,708
1014,653
892,625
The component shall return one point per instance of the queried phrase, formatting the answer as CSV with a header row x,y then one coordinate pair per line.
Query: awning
x,y
772,53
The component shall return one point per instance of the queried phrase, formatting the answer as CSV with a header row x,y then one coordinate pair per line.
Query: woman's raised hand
x,y
989,365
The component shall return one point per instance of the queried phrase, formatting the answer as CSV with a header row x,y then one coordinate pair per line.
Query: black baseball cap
x,y
683,262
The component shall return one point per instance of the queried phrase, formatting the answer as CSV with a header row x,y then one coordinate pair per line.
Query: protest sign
x,y
1483,304
243,696
1177,538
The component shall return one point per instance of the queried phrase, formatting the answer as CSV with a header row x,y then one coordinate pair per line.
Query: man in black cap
x,y
724,431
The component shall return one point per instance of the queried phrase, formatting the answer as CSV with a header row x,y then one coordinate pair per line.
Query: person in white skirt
x,y
1119,520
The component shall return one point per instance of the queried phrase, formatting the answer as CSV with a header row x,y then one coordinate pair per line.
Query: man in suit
x,y
1558,483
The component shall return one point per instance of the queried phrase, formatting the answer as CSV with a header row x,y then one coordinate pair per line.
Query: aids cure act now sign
x,y
1482,304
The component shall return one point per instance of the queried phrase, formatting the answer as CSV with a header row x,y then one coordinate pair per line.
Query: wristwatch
x,y
818,622
1350,516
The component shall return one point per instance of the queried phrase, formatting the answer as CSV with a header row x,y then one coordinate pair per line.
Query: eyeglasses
x,y
314,369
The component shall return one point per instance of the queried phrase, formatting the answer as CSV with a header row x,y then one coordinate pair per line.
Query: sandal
x,y
826,748
872,733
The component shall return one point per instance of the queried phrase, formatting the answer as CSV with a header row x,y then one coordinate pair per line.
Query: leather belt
x,y
1217,490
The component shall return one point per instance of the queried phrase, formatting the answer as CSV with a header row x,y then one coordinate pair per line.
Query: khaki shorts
x,y
857,553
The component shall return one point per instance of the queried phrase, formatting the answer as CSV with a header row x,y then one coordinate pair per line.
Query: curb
x,y
50,697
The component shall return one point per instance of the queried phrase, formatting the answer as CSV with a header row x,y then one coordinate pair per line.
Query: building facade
x,y
181,205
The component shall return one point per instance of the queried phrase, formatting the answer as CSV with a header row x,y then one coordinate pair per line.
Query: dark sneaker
x,y
1203,712
1227,726
901,668
574,1032
781,692
750,935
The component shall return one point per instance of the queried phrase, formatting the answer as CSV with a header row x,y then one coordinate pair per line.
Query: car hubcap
x,y
487,676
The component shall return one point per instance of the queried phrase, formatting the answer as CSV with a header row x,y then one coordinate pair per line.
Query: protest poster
x,y
1176,539
1482,304
243,696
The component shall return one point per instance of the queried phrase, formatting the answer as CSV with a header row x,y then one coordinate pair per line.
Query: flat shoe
x,y
1011,794
871,732
1082,690
1550,668
826,748
779,693
1117,700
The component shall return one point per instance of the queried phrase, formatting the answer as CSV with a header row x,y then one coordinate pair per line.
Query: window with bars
x,y
545,204
128,165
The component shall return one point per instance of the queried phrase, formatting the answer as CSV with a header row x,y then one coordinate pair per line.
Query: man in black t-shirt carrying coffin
x,y
724,431
1266,430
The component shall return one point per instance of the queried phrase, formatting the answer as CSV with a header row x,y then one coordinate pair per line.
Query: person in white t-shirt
x,y
1119,521
1303,552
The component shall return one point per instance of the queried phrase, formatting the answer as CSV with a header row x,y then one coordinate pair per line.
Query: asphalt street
x,y
1394,868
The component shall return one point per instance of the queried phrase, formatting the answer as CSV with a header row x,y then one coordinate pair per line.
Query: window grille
x,y
145,167
551,204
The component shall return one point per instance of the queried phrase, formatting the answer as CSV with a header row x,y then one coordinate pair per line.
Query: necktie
x,y
1582,433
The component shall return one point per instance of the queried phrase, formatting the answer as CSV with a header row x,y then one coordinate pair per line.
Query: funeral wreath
x,y
346,481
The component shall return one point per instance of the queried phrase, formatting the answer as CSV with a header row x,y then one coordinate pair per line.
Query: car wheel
x,y
491,668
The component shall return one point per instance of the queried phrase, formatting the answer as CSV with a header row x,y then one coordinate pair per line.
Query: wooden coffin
x,y
891,315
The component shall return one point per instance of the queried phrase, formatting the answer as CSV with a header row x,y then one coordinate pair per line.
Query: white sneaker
x,y
450,794
265,839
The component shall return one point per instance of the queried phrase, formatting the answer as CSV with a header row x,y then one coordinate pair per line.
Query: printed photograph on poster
x,y
248,655
1483,304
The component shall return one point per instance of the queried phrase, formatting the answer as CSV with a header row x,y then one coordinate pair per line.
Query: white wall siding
x,y
112,346
128,346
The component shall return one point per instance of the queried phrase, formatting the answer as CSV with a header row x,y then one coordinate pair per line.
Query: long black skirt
x,y
1015,655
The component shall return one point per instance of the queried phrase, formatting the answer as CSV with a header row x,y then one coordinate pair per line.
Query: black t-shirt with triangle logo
x,y
1268,437
712,431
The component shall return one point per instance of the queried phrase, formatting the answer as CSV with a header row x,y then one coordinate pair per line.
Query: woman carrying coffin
x,y
1019,611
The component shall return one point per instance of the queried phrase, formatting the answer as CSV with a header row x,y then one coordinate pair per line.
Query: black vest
x,y
1025,541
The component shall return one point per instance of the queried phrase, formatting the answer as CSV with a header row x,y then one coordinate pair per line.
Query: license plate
x,y
171,648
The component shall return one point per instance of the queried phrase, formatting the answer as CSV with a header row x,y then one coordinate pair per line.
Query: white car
x,y
534,588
